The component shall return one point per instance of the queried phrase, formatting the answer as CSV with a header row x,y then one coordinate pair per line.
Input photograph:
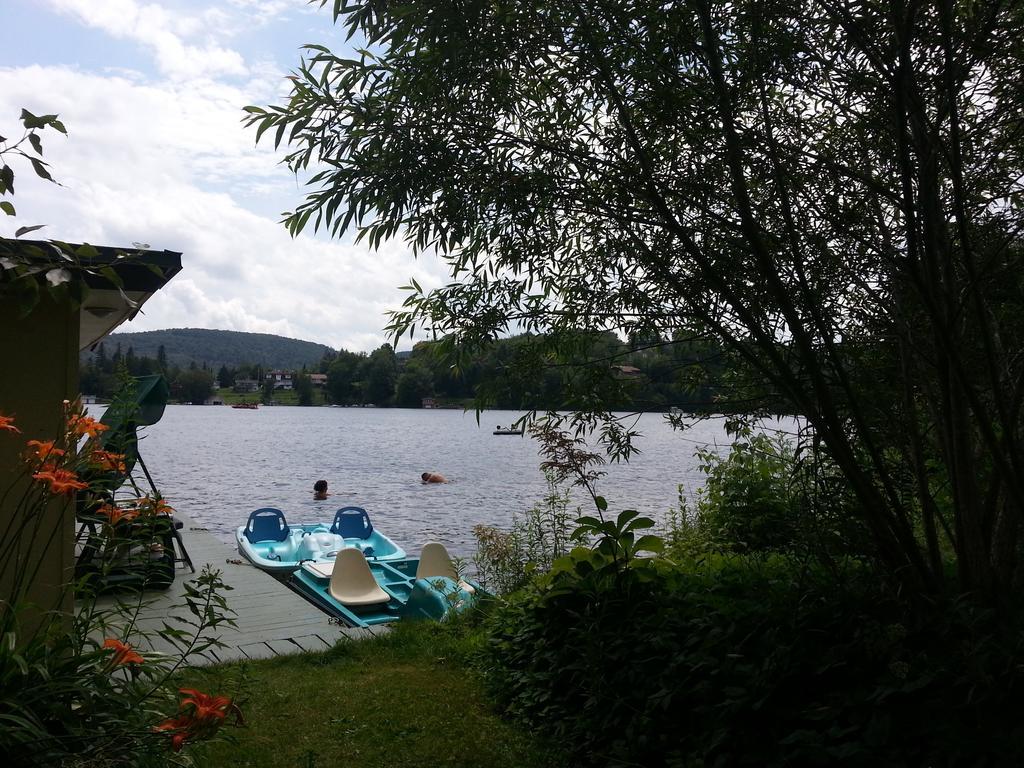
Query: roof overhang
x,y
140,273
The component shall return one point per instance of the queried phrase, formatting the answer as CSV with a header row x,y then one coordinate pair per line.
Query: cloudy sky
x,y
151,92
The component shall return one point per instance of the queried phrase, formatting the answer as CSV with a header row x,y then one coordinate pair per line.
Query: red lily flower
x,y
7,424
108,462
61,481
43,451
123,653
79,424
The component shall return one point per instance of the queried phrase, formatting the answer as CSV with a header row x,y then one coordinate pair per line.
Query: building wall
x,y
39,355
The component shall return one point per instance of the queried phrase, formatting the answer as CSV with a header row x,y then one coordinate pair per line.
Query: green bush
x,y
741,660
764,497
505,560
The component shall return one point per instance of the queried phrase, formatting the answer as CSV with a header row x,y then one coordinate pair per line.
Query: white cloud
x,y
165,33
170,165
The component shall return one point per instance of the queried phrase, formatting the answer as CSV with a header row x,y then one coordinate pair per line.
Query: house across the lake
x,y
281,379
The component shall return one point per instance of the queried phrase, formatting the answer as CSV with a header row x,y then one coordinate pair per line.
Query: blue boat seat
x,y
266,524
352,523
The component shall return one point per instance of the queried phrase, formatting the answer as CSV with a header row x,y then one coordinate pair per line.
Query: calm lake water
x,y
217,464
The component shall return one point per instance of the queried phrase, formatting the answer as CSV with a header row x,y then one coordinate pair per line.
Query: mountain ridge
x,y
215,348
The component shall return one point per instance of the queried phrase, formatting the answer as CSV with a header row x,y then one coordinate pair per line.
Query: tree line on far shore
x,y
650,374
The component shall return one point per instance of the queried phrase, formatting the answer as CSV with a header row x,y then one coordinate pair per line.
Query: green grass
x,y
407,698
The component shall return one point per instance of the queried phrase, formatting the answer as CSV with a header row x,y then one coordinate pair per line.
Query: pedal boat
x,y
269,543
361,593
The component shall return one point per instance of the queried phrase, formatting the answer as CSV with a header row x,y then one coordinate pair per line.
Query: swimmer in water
x,y
320,490
433,477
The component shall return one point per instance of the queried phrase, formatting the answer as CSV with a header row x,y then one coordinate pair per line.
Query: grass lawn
x,y
407,698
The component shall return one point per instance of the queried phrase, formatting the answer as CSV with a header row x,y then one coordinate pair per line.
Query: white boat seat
x,y
435,561
352,581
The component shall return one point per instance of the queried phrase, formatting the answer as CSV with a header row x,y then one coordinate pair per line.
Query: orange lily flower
x,y
178,728
199,716
207,709
123,653
151,506
115,514
109,462
44,450
80,424
7,424
61,481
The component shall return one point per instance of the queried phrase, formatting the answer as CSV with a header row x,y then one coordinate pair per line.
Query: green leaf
x,y
601,503
37,145
40,168
649,544
25,230
7,207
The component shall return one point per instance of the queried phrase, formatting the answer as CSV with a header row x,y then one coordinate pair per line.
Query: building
x,y
45,343
281,379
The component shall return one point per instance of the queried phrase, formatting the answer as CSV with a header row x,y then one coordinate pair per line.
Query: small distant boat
x,y
246,406
500,430
362,593
269,543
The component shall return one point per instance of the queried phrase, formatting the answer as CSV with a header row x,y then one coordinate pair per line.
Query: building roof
x,y
119,280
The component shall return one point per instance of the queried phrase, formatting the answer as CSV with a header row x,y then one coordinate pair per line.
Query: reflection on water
x,y
217,464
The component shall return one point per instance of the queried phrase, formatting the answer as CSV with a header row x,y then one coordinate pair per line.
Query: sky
x,y
151,92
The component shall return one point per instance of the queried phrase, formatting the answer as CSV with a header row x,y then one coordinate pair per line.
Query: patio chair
x,y
352,582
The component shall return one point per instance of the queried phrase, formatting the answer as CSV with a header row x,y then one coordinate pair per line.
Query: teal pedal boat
x,y
363,593
269,543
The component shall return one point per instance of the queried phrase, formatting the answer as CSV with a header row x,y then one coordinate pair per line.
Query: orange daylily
x,y
80,424
44,450
207,709
7,424
115,514
199,716
178,728
150,506
62,481
108,462
123,653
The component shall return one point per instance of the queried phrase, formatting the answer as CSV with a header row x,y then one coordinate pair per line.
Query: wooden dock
x,y
271,619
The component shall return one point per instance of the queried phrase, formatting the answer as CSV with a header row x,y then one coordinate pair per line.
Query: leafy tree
x,y
831,190
304,388
194,385
379,372
342,377
226,376
267,392
414,383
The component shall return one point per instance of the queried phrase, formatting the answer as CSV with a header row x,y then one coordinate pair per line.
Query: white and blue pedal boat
x,y
270,543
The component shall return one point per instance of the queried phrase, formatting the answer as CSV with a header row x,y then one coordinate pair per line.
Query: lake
x,y
217,464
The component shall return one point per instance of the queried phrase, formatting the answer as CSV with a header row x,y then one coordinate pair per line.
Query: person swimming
x,y
433,477
320,490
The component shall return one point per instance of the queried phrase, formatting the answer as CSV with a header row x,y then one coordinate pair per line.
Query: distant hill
x,y
217,348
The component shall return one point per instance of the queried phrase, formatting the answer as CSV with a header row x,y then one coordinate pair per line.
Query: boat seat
x,y
352,581
352,523
266,524
435,562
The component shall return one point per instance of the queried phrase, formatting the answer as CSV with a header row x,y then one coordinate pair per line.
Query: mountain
x,y
217,348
